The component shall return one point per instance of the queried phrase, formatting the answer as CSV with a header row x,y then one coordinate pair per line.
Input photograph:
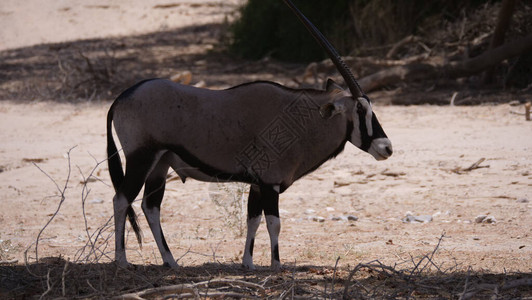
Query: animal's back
x,y
160,111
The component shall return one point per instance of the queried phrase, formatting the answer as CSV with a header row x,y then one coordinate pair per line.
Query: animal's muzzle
x,y
381,148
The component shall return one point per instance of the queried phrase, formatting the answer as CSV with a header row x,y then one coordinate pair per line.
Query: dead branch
x,y
395,48
418,71
472,167
8,262
177,289
62,192
193,290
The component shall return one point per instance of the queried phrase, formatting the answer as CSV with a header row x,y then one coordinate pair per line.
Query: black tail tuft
x,y
117,173
132,216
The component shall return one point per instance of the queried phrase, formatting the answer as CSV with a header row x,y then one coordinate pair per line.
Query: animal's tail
x,y
117,173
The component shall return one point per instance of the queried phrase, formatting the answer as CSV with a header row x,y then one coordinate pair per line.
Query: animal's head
x,y
367,133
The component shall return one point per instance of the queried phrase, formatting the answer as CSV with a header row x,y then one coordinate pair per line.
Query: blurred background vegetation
x,y
268,28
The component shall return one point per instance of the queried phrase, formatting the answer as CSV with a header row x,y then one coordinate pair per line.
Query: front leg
x,y
270,204
254,216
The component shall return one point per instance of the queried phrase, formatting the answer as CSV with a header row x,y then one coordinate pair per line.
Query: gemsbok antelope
x,y
259,133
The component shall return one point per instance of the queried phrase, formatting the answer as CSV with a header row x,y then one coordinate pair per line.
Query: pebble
x,y
309,211
329,209
352,218
96,200
523,200
485,219
283,212
480,218
317,219
420,219
344,218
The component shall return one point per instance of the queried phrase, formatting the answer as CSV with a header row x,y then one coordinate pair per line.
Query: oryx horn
x,y
344,70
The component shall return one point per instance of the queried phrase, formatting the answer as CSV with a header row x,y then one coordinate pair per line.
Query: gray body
x,y
259,133
210,130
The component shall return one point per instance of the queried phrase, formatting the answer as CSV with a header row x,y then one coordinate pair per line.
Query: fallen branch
x,y
178,289
8,262
193,290
472,167
418,71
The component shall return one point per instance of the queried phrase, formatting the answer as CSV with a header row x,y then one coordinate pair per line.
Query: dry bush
x,y
231,201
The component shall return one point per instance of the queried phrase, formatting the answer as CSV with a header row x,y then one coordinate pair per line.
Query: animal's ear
x,y
333,87
328,110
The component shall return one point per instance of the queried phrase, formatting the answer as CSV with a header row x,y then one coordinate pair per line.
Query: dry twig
x,y
474,166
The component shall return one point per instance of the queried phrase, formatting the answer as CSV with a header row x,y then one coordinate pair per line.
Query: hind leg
x,y
138,166
151,205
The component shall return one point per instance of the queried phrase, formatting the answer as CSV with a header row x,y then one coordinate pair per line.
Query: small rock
x,y
96,201
480,218
523,200
317,219
490,220
329,209
283,212
476,238
339,218
309,211
352,218
485,219
420,219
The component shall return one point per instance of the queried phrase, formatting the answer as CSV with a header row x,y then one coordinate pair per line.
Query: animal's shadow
x,y
57,278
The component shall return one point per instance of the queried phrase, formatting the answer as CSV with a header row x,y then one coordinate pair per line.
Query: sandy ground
x,y
429,142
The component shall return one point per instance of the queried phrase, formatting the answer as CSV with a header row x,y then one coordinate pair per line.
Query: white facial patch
x,y
369,114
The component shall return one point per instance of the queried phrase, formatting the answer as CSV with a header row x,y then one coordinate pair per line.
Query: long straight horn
x,y
331,51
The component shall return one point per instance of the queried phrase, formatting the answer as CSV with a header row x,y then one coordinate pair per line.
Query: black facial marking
x,y
378,132
364,137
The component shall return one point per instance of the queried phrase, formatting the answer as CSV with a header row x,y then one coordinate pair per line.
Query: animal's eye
x,y
359,107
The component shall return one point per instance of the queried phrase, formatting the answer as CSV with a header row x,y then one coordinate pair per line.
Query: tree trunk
x,y
503,22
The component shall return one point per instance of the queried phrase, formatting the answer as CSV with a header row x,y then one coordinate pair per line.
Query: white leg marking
x,y
274,228
120,206
253,225
153,215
